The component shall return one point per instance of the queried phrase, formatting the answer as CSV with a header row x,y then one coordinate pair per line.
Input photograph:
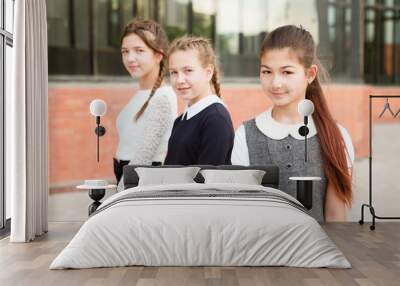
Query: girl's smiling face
x,y
138,59
189,78
283,78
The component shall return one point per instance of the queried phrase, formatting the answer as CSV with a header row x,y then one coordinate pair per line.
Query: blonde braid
x,y
206,54
187,43
154,36
156,85
215,82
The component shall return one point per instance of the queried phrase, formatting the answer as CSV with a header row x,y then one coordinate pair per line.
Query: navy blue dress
x,y
205,139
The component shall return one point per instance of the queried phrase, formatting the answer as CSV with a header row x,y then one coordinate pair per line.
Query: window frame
x,y
6,39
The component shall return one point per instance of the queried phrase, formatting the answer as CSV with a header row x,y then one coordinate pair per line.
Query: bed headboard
x,y
270,179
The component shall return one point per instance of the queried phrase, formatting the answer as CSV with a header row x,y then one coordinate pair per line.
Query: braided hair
x,y
206,55
333,148
154,36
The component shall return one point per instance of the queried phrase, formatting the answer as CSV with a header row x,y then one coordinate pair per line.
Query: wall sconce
x,y
98,108
304,187
305,108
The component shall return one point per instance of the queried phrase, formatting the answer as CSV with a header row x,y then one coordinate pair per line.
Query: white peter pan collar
x,y
201,105
277,131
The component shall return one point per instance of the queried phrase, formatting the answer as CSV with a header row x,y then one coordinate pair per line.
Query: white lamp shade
x,y
305,107
98,107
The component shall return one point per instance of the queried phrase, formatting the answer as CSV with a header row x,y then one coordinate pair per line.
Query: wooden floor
x,y
374,255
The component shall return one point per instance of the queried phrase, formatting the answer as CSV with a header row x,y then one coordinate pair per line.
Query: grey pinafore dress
x,y
288,155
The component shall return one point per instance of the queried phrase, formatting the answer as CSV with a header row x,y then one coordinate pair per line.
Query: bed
x,y
201,224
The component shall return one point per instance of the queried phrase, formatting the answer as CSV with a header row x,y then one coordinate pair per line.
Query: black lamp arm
x,y
100,131
303,131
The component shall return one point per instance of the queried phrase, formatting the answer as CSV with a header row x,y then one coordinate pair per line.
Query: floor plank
x,y
374,255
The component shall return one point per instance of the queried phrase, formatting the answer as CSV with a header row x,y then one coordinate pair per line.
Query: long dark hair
x,y
332,143
154,36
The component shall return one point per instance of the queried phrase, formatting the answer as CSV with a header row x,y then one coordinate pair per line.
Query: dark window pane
x,y
339,28
382,42
396,51
126,12
108,27
58,23
146,9
388,43
68,36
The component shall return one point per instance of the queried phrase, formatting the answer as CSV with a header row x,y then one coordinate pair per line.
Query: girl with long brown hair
x,y
289,73
145,123
204,133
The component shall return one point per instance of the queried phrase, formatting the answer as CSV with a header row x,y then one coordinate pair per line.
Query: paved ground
x,y
72,206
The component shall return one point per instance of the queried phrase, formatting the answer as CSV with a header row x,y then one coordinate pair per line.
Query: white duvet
x,y
184,230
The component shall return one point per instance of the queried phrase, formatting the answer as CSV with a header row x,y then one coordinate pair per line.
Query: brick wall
x,y
73,142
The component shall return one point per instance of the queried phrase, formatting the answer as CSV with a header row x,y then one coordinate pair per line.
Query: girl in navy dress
x,y
289,73
204,133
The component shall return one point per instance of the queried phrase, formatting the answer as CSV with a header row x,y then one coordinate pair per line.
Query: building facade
x,y
358,41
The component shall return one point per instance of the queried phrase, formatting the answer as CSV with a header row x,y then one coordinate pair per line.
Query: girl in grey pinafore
x,y
289,74
288,155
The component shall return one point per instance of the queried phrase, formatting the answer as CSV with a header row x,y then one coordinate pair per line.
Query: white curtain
x,y
26,123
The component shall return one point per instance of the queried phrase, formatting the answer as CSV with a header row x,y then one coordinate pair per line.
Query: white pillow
x,y
165,176
248,177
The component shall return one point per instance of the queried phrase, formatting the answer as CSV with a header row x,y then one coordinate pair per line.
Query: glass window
x,y
369,25
7,83
204,18
388,39
101,24
370,50
9,13
114,23
81,34
1,15
381,46
396,51
173,15
109,18
339,26
85,39
69,39
146,9
6,28
239,40
126,12
389,3
58,23
228,27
